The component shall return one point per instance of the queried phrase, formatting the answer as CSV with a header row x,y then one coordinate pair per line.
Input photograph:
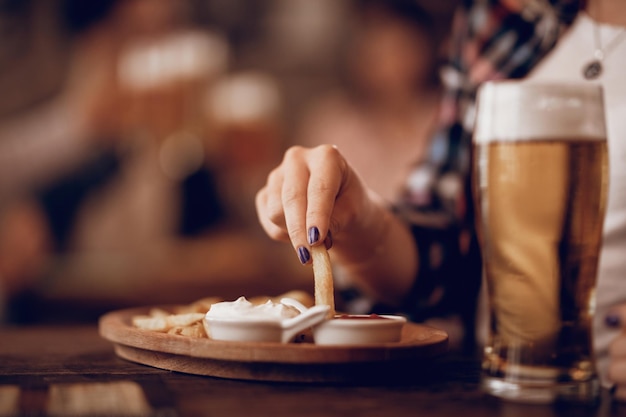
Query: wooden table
x,y
71,370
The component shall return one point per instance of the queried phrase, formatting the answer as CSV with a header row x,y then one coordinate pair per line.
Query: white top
x,y
566,63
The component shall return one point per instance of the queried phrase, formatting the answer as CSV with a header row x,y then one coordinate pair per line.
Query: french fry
x,y
182,320
194,330
164,323
323,275
157,324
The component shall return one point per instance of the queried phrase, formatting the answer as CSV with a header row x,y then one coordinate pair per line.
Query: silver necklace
x,y
593,69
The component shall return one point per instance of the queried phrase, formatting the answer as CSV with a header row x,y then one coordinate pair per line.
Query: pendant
x,y
592,70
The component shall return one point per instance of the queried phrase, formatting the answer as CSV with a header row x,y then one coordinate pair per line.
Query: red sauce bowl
x,y
359,329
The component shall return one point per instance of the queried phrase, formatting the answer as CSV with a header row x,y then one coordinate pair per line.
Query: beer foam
x,y
524,110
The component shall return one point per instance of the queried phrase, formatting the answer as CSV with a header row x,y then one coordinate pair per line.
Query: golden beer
x,y
540,192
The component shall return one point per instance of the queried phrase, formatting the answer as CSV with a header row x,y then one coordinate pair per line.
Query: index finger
x,y
294,198
327,174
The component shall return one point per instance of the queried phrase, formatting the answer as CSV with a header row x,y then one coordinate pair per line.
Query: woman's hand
x,y
617,351
314,194
311,193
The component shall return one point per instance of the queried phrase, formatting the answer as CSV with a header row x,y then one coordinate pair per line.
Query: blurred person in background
x,y
113,192
381,116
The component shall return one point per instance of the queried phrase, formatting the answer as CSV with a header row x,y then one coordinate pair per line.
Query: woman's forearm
x,y
380,255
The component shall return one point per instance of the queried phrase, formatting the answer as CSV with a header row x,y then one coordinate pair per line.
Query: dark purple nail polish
x,y
613,320
303,254
314,235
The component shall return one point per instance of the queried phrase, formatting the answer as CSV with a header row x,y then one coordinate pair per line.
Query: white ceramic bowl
x,y
253,329
355,329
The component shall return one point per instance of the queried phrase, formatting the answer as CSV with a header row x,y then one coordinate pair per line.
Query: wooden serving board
x,y
293,362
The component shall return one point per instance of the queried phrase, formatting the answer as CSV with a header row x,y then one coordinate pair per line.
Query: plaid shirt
x,y
490,40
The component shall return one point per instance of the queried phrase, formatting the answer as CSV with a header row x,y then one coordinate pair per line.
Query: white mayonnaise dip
x,y
242,308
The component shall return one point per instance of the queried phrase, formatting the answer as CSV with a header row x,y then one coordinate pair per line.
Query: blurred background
x,y
135,133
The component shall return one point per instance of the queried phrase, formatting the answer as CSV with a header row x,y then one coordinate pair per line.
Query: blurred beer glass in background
x,y
244,111
540,184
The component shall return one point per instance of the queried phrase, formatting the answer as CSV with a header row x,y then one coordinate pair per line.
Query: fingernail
x,y
303,254
328,242
613,320
314,235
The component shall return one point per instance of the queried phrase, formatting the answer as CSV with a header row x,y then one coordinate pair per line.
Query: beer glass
x,y
540,185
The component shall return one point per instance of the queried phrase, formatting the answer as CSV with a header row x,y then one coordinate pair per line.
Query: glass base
x,y
587,392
